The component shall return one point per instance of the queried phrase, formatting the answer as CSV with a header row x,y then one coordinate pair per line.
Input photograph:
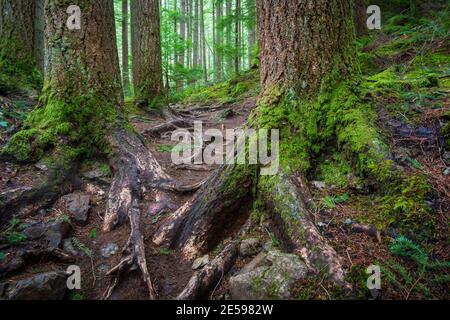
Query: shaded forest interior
x,y
87,117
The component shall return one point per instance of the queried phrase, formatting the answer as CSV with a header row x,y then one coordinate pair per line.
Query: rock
x,y
103,268
44,286
446,172
272,280
77,205
319,185
250,247
348,221
68,247
446,157
34,229
55,232
109,250
200,262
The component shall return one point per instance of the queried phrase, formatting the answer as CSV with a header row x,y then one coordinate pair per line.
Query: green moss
x,y
17,70
71,128
235,89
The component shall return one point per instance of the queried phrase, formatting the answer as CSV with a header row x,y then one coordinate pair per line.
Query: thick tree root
x,y
135,168
201,223
289,198
134,255
207,279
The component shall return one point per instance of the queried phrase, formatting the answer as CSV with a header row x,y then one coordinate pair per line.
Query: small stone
x,y
320,185
68,247
348,221
200,262
78,205
109,250
55,232
446,156
44,286
446,172
103,268
34,230
250,247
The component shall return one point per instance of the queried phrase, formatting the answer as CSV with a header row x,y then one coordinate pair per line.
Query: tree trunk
x,y
134,42
251,25
360,17
237,58
204,57
39,38
149,90
125,67
196,41
17,45
228,35
218,64
301,56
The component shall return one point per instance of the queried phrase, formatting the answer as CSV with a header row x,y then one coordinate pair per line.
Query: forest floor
x,y
406,79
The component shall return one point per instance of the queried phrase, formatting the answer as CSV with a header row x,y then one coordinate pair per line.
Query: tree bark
x,y
251,26
301,55
203,35
39,38
196,41
147,74
17,45
237,58
125,66
360,17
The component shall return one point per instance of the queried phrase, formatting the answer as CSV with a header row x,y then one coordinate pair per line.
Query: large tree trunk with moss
x,y
18,67
82,116
147,71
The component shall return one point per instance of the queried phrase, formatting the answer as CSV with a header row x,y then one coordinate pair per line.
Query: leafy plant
x,y
82,247
93,234
15,237
2,256
405,248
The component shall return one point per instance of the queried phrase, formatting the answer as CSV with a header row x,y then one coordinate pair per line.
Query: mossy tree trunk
x,y
18,66
147,70
306,52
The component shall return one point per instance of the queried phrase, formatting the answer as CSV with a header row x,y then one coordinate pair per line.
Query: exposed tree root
x,y
289,198
134,255
207,279
135,168
218,207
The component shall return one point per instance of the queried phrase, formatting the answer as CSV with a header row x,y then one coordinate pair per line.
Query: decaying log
x,y
217,208
207,279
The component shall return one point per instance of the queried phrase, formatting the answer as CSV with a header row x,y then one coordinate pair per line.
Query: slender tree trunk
x,y
149,89
125,67
251,25
204,57
39,38
196,41
17,45
182,31
360,17
134,5
237,59
218,65
228,35
189,33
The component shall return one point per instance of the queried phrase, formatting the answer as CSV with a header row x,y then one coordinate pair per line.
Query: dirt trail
x,y
169,272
